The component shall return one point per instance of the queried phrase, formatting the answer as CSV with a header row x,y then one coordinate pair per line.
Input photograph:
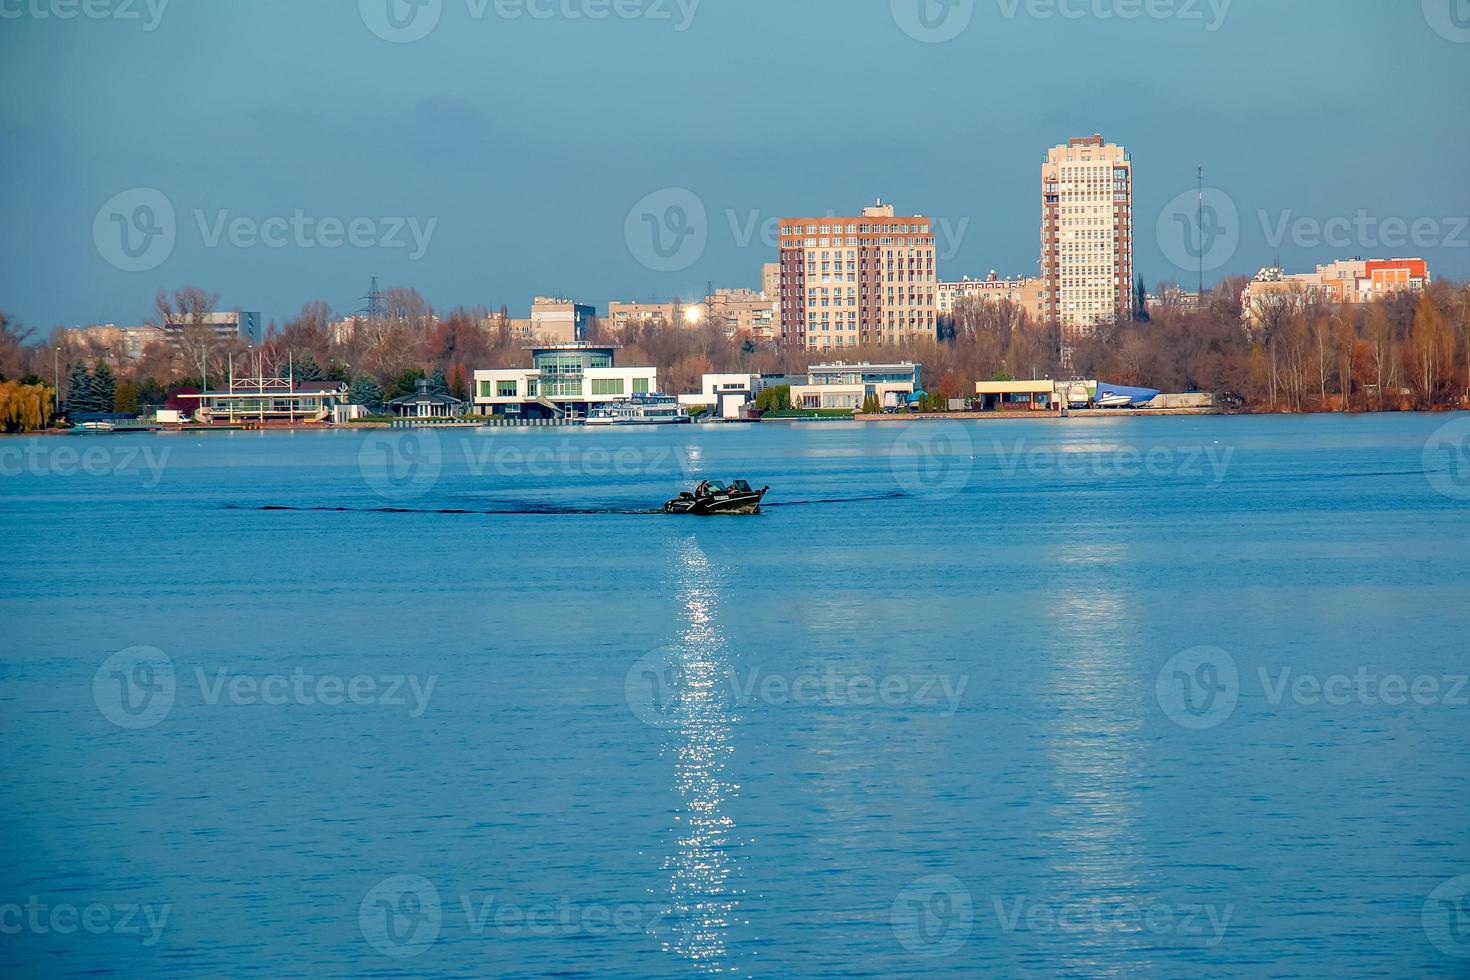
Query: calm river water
x,y
1142,697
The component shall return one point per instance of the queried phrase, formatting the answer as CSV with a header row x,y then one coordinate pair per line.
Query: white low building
x,y
565,382
724,394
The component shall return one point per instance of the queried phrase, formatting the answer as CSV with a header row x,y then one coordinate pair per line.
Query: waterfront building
x,y
1018,396
841,385
867,279
266,400
426,404
1029,294
564,382
725,394
1344,282
1086,235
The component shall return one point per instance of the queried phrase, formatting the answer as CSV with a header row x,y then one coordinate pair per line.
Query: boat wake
x,y
532,509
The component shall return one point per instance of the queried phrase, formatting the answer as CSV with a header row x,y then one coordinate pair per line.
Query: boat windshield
x,y
717,486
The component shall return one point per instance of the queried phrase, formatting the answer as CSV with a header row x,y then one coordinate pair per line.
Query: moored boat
x,y
640,410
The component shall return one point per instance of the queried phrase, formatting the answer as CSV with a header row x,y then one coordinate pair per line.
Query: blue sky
x,y
502,154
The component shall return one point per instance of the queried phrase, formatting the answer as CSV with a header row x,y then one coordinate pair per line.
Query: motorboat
x,y
717,497
641,410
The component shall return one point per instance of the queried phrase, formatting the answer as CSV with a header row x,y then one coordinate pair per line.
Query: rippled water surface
x,y
1082,698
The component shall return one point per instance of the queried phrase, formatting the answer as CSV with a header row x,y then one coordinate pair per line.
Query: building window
x,y
640,386
607,386
505,389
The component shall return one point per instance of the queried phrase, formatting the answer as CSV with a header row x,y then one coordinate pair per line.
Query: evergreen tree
x,y
104,388
366,391
79,397
1140,301
126,399
303,368
439,384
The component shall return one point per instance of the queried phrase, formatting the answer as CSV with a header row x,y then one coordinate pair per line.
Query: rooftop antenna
x,y
1200,227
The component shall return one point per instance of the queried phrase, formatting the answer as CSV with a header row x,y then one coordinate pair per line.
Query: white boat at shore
x,y
641,410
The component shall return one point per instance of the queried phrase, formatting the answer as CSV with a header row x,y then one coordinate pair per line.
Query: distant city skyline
x,y
502,154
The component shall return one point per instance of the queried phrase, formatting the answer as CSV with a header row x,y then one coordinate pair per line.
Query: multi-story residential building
x,y
226,324
742,311
565,381
621,315
1087,234
859,280
110,340
1029,294
771,280
1344,282
560,321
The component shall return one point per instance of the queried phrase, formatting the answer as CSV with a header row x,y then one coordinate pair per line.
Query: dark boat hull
x,y
719,504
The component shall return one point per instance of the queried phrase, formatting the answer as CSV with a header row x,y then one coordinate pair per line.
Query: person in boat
x,y
702,490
